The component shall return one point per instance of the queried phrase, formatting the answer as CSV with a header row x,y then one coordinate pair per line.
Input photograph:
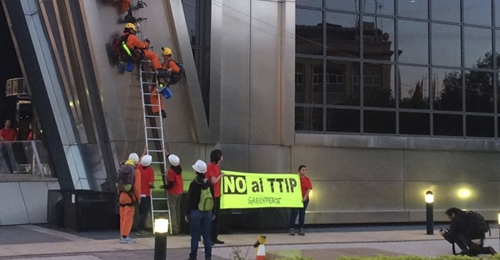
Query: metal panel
x,y
34,195
235,73
264,72
451,166
287,102
356,196
260,161
13,209
236,157
349,164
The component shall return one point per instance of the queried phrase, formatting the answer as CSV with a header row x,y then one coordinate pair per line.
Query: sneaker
x,y
301,232
142,233
164,115
291,232
126,240
492,250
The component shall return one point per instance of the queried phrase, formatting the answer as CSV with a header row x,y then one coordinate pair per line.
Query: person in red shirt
x,y
214,175
147,183
175,188
7,134
306,187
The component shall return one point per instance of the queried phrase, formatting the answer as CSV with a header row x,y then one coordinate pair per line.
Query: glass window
x,y
479,91
342,35
379,7
480,126
445,45
497,45
447,88
448,125
309,32
414,87
346,5
446,10
309,81
190,15
412,8
497,14
477,12
308,119
414,123
378,85
313,3
342,83
413,40
342,120
477,48
379,122
378,38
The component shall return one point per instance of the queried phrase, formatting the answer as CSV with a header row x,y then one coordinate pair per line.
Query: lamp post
x,y
160,229
429,201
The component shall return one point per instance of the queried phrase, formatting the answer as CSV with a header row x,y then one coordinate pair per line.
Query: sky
x,y
9,68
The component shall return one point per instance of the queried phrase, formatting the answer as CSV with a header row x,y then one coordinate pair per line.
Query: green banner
x,y
260,190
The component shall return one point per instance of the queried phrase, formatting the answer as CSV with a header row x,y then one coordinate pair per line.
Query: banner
x,y
260,190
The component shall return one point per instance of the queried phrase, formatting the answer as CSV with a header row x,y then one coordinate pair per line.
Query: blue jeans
x,y
200,222
302,215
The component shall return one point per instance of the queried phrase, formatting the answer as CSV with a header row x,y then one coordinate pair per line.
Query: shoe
x,y
126,240
142,233
164,115
492,250
217,241
291,232
301,232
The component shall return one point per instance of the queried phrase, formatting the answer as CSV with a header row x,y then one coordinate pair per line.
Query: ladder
x,y
154,139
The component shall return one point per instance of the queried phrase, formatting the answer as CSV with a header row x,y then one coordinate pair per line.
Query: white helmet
x,y
200,166
134,157
146,160
174,160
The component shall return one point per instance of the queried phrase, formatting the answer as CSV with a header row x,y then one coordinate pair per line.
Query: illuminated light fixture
x,y
160,230
464,193
429,197
161,225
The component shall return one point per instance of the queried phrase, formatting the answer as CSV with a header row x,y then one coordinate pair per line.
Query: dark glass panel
x,y
346,5
448,125
414,123
379,122
342,35
446,45
413,8
446,10
379,7
477,48
379,87
309,81
342,120
308,32
413,40
342,83
478,12
480,126
312,3
308,119
378,38
447,87
479,91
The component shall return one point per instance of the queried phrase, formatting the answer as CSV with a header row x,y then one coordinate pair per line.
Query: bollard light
x,y
499,227
160,230
429,201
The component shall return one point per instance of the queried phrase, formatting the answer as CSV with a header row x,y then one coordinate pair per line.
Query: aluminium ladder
x,y
154,138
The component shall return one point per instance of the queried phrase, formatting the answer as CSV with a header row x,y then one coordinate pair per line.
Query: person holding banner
x,y
214,175
306,187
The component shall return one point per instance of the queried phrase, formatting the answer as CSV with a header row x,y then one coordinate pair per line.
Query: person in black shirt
x,y
461,233
199,220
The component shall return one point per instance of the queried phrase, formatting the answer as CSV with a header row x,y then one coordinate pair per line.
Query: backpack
x,y
125,180
120,48
176,77
478,225
206,200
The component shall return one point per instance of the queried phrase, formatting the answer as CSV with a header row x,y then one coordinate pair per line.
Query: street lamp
x,y
429,201
160,230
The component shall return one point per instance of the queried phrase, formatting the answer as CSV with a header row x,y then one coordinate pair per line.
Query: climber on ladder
x,y
127,6
171,73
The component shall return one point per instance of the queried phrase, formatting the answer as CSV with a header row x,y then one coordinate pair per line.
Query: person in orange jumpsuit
x,y
128,201
170,73
155,100
134,43
127,9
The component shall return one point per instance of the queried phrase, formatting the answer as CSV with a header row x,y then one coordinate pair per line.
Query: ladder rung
x,y
149,105
148,116
153,127
149,94
149,83
146,61
154,139
148,72
155,151
157,162
159,198
161,211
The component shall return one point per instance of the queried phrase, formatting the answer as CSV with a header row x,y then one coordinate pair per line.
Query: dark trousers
x,y
215,222
301,212
467,246
6,157
199,224
144,208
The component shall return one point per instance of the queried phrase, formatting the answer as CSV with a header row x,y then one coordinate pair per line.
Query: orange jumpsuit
x,y
126,5
134,42
127,212
153,99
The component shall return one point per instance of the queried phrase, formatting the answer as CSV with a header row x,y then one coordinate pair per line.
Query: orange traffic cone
x,y
260,248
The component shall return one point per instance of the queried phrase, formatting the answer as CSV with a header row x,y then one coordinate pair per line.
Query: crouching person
x,y
464,232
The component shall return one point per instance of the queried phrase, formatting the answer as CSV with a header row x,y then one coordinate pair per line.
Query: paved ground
x,y
321,243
